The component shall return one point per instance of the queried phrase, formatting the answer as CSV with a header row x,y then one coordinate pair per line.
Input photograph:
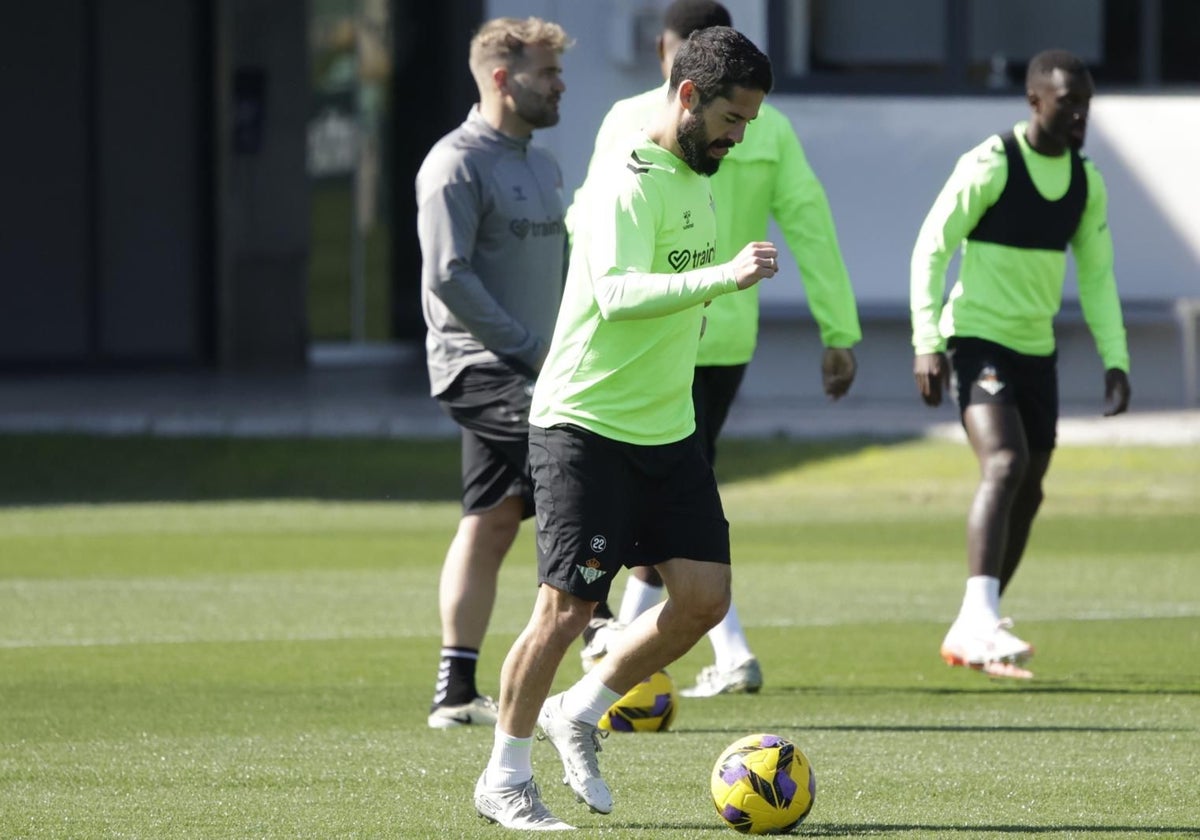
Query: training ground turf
x,y
238,639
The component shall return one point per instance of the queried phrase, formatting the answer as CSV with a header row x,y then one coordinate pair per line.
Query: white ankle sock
x,y
588,699
730,647
510,764
639,596
981,601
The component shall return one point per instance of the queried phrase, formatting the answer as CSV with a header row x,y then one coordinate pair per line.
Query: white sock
x,y
588,699
639,596
981,601
510,764
730,647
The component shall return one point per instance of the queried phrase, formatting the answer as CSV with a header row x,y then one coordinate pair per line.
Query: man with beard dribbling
x,y
619,475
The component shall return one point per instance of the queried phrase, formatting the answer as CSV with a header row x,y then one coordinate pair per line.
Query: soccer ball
x,y
647,707
763,784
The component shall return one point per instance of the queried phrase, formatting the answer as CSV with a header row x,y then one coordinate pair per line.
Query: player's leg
x,y
466,595
735,669
584,504
1020,520
489,402
1038,404
987,400
506,792
698,599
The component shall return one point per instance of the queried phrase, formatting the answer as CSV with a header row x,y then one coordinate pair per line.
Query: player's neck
x,y
664,132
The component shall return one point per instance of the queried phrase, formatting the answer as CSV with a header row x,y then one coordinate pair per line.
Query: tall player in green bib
x,y
620,476
1015,203
765,177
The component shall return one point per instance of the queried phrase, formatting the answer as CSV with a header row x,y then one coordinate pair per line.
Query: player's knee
x,y
711,607
1005,468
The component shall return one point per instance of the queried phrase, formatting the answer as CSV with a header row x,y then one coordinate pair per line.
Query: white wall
x,y
883,159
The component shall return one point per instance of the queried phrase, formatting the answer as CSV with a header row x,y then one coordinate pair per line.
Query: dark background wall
x,y
102,225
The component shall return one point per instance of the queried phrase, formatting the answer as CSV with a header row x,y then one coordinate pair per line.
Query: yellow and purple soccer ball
x,y
649,706
763,784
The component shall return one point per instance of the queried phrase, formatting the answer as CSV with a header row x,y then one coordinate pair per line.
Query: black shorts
x,y
490,403
984,372
602,504
713,390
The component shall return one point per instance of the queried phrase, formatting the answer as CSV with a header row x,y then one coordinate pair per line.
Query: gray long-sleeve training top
x,y
493,245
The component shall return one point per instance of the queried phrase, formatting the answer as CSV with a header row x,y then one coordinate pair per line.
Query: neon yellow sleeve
x,y
1093,250
801,209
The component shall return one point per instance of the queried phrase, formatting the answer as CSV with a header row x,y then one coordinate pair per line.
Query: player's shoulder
x,y
989,152
1095,181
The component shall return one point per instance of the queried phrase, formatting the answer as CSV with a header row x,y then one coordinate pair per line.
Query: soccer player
x,y
620,476
766,176
1015,203
493,239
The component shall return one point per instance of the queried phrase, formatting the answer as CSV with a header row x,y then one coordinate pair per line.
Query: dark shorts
x,y
602,504
986,373
713,390
490,403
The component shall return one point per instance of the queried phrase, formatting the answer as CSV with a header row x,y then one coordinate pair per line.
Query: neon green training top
x,y
624,348
1006,294
765,176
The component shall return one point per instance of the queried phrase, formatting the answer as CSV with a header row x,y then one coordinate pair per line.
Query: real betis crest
x,y
591,570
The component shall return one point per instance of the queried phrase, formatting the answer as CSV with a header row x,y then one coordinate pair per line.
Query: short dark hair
x,y
1042,65
719,59
683,17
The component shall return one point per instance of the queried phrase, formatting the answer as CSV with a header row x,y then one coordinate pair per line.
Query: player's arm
x,y
621,251
800,207
976,184
1093,250
448,216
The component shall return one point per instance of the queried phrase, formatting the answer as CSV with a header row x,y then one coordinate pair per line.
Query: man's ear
x,y
500,78
689,95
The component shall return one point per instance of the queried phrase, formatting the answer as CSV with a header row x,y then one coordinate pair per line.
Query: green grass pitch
x,y
237,639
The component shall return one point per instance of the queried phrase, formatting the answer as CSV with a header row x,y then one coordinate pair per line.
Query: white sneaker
x,y
577,745
986,648
518,807
481,711
596,639
744,679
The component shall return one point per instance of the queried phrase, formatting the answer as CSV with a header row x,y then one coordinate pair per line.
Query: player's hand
x,y
932,372
837,371
757,261
1116,392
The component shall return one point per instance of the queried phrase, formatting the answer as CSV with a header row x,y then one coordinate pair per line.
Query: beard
x,y
694,143
534,108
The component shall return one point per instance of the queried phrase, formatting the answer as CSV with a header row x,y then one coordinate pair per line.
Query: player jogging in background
x,y
1015,203
620,476
765,176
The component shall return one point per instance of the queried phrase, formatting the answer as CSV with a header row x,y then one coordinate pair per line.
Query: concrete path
x,y
391,400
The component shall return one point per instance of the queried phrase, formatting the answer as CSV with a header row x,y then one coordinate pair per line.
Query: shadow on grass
x,y
810,829
1074,830
993,687
941,728
64,469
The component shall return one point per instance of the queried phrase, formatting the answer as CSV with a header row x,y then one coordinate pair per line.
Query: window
x,y
977,46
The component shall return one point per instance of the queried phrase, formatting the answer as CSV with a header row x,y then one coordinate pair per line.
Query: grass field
x,y
237,639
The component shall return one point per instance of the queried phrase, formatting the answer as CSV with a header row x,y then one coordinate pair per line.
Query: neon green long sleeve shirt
x,y
1005,294
624,348
766,176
